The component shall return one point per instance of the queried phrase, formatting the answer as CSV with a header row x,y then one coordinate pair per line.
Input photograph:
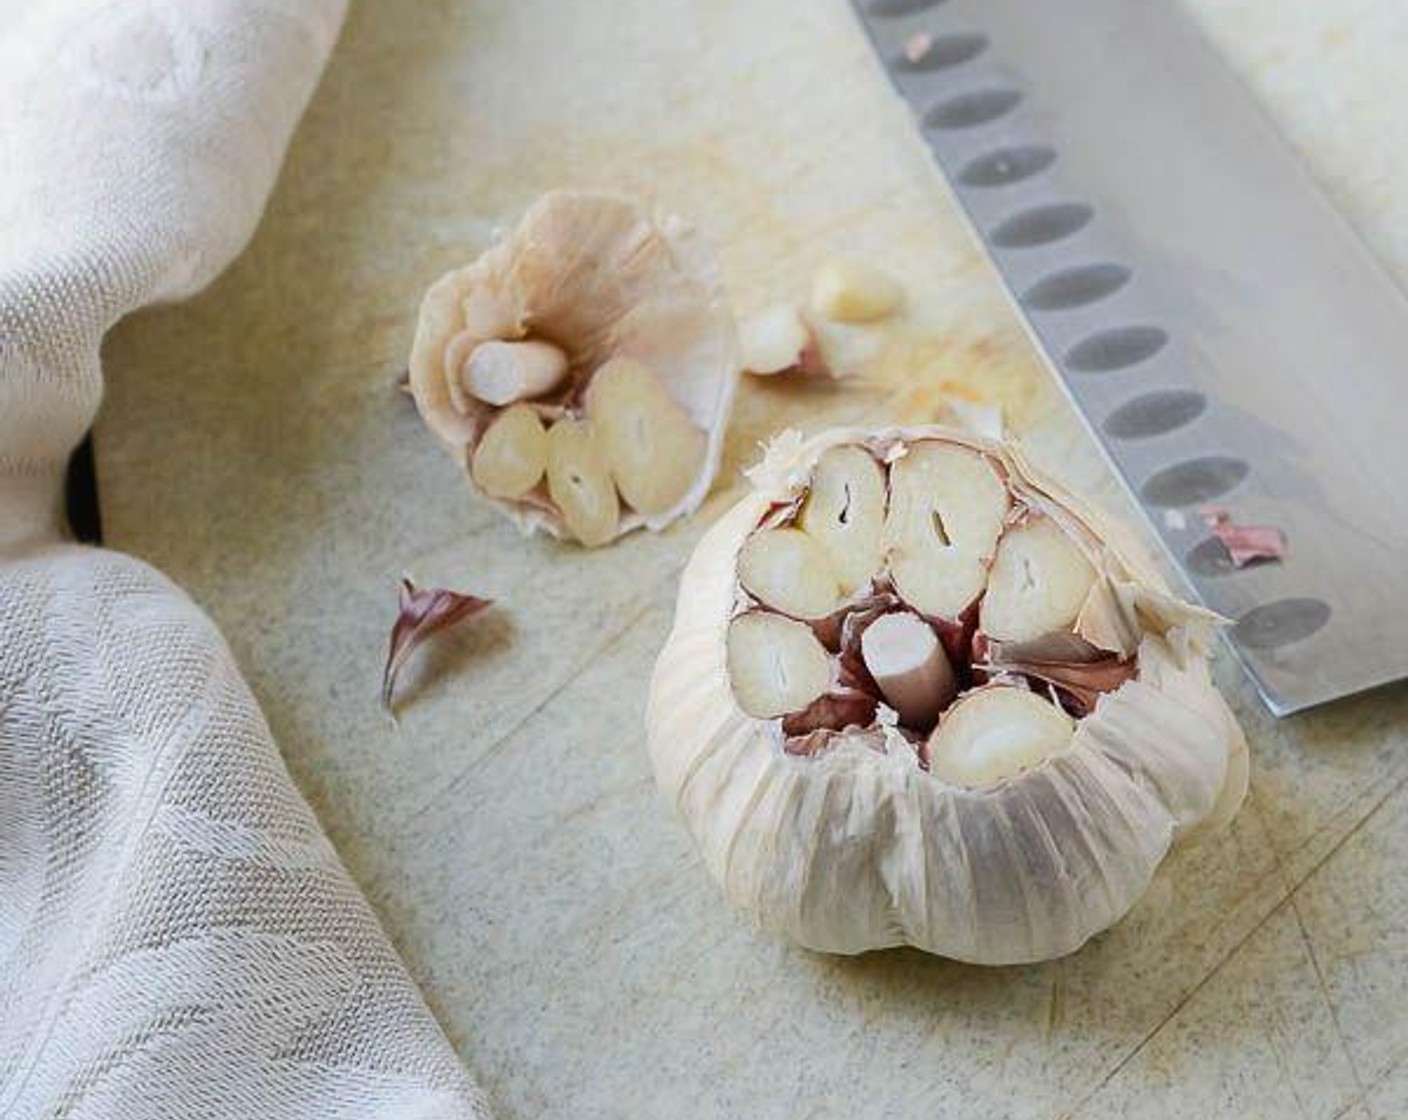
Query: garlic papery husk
x,y
595,281
847,840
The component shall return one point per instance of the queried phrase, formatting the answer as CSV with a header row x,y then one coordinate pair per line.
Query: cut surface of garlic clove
x,y
903,655
774,340
512,454
947,507
789,571
579,481
995,733
845,513
847,291
654,449
776,664
1039,581
501,373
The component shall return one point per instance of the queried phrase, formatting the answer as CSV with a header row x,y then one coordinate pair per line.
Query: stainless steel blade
x,y
1218,324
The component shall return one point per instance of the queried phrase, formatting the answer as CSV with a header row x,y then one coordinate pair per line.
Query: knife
x,y
1219,326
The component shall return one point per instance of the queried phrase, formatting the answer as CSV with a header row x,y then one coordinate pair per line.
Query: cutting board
x,y
506,827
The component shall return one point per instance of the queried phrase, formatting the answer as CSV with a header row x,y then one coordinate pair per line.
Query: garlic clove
x,y
1039,581
947,507
778,339
845,513
501,373
903,655
847,291
776,664
789,571
772,341
579,481
995,733
512,454
655,450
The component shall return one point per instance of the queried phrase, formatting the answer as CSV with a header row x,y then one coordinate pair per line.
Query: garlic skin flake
x,y
848,840
584,282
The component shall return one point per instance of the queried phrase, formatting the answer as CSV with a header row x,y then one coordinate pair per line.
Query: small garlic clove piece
x,y
847,291
654,449
851,841
903,654
579,481
501,373
789,571
845,514
776,664
1039,581
947,507
512,454
995,733
778,340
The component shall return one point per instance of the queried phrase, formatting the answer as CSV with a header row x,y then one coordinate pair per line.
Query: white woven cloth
x,y
177,939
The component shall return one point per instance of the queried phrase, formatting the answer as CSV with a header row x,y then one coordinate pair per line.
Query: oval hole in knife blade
x,y
1076,287
1041,225
944,52
1116,348
968,110
891,8
1210,559
1281,622
1006,165
1194,481
1155,413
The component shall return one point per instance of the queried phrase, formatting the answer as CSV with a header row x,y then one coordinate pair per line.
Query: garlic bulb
x,y
984,749
582,369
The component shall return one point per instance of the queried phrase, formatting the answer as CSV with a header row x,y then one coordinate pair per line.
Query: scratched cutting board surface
x,y
507,829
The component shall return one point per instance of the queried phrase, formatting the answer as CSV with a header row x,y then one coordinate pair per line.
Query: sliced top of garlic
x,y
1028,834
594,277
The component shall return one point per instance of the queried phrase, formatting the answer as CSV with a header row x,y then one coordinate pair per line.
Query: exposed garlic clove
x,y
579,481
501,373
512,454
789,571
776,665
1039,581
847,291
780,340
845,514
995,733
903,654
947,507
772,341
655,450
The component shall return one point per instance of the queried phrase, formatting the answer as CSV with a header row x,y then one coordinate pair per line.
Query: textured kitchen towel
x,y
177,939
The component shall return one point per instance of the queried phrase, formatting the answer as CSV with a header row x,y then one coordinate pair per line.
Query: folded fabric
x,y
177,938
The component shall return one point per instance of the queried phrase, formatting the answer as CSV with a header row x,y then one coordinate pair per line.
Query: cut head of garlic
x,y
917,694
588,288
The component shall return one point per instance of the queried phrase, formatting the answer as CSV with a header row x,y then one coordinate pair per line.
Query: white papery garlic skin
x,y
1014,830
586,284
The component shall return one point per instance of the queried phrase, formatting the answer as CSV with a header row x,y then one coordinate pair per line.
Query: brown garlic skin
x,y
585,283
